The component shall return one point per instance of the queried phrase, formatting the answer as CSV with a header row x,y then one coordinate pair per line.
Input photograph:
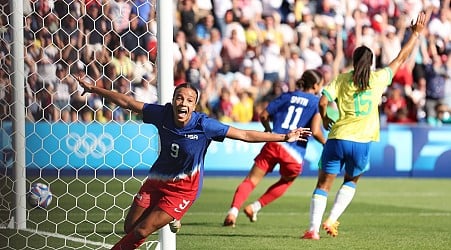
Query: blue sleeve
x,y
153,113
214,129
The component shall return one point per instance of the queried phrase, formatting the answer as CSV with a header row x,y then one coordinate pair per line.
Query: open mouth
x,y
182,113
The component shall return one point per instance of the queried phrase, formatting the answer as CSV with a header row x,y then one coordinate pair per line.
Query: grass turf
x,y
386,213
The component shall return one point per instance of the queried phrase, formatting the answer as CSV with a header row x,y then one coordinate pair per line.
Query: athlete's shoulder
x,y
154,113
382,76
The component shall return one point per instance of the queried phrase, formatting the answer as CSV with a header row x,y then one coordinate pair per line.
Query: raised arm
x,y
122,100
406,50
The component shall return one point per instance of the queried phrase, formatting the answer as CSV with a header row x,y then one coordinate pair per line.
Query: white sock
x,y
317,208
234,211
342,200
256,206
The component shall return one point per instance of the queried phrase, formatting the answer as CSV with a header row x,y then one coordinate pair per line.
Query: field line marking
x,y
61,236
357,213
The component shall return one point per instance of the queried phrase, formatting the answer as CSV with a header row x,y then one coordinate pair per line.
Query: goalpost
x,y
93,169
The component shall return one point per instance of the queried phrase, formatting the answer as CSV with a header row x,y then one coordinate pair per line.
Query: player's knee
x,y
128,228
141,232
288,179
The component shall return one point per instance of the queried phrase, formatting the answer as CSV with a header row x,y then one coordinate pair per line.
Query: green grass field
x,y
386,213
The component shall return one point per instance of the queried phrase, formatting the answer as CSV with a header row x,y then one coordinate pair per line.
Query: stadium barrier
x,y
130,149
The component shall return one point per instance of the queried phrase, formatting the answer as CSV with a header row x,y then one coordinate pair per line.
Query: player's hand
x,y
87,88
327,122
419,24
299,134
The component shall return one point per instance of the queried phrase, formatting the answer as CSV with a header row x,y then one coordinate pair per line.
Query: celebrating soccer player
x,y
357,94
174,180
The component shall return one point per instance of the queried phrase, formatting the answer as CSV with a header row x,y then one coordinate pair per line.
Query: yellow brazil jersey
x,y
358,112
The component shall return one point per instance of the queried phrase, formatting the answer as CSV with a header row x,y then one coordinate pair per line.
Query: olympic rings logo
x,y
90,144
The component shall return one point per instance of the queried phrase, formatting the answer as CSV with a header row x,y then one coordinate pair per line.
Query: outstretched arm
x,y
122,100
299,134
408,47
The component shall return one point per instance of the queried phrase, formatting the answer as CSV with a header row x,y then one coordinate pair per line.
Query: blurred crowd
x,y
241,54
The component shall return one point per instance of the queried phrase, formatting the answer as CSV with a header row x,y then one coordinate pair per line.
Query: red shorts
x,y
274,153
166,195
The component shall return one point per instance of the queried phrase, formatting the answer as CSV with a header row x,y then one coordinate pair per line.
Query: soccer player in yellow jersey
x,y
357,94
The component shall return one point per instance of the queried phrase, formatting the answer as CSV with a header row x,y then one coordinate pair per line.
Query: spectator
x,y
220,7
97,27
272,63
232,25
210,52
254,35
142,67
243,111
183,50
395,102
188,21
61,96
402,116
442,115
295,65
5,93
79,109
122,63
46,58
312,54
204,8
288,31
233,52
225,106
56,33
193,74
146,91
391,44
441,25
119,13
436,75
143,9
133,40
204,28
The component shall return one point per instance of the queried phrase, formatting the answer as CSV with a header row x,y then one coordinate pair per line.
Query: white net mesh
x,y
92,154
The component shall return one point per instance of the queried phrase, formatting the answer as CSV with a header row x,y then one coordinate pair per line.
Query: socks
x,y
274,192
256,206
342,200
129,241
242,193
317,207
234,211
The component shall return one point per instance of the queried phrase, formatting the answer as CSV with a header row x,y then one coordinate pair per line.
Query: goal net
x,y
92,154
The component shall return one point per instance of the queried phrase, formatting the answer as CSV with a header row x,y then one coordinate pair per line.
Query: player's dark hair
x,y
309,78
186,85
362,59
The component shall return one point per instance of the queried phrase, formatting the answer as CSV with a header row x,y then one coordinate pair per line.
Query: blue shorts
x,y
353,156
